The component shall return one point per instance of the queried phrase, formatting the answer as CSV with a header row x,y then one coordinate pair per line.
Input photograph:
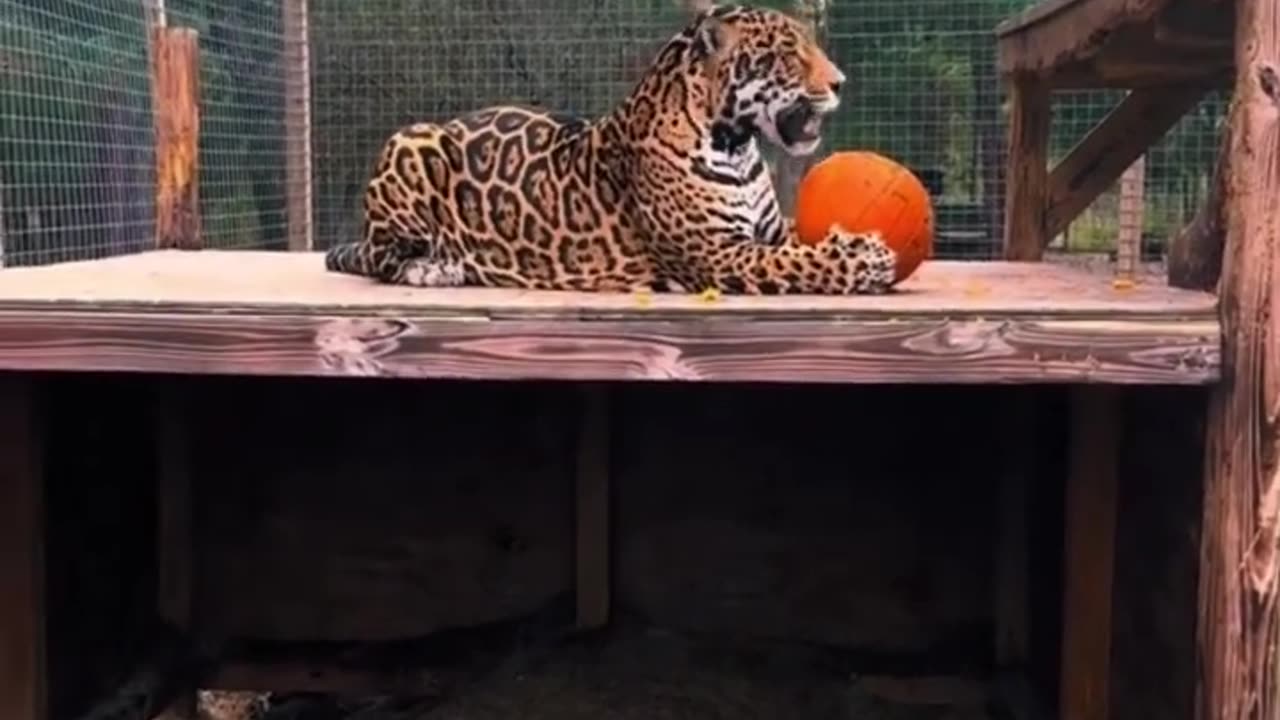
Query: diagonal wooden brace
x,y
1128,131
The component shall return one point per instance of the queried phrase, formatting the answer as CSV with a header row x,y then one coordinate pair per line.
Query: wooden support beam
x,y
175,98
592,539
1133,203
1128,131
23,665
1091,505
1239,619
1025,232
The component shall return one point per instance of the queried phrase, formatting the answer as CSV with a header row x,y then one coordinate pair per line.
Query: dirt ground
x,y
656,675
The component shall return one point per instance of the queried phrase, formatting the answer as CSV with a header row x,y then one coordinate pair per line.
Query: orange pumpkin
x,y
862,192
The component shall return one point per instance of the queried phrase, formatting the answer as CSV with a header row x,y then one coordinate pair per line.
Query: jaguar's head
x,y
769,75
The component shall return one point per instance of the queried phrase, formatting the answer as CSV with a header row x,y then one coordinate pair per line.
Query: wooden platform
x,y
219,312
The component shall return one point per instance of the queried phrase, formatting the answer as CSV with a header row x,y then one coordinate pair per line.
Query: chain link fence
x,y
77,164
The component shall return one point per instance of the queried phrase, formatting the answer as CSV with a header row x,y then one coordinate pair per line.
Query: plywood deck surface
x,y
282,313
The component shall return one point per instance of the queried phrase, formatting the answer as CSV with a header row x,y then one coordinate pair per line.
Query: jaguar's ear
x,y
710,36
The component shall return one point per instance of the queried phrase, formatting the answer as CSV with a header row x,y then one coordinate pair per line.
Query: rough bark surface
x,y
1238,620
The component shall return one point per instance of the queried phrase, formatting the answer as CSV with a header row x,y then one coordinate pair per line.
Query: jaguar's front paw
x,y
872,264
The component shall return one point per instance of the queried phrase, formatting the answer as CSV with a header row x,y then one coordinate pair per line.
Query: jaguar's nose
x,y
835,87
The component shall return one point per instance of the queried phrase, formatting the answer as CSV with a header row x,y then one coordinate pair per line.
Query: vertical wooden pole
x,y
1239,621
1089,556
1129,236
297,124
592,539
23,681
1025,231
175,94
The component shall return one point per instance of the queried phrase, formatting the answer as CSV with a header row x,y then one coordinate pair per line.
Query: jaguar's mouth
x,y
799,126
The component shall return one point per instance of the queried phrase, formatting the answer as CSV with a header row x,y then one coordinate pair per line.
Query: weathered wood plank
x,y
175,97
23,662
931,350
1091,512
1025,231
1128,131
1239,618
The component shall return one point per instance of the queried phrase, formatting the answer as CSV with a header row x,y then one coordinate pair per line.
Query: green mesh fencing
x,y
77,162
77,165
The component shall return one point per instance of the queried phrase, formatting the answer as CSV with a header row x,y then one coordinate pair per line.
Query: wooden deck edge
x,y
1178,351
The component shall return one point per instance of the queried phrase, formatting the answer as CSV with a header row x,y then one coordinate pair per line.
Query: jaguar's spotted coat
x,y
668,191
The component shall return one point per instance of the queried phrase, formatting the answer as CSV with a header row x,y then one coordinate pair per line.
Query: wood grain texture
x,y
175,96
23,657
928,350
1025,231
1089,553
1239,626
280,313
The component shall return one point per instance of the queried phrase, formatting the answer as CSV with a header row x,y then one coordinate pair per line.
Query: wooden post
x,y
1025,234
297,124
592,539
23,691
175,94
1129,236
1239,622
1089,556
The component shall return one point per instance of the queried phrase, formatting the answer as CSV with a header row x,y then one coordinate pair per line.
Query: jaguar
x,y
669,191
